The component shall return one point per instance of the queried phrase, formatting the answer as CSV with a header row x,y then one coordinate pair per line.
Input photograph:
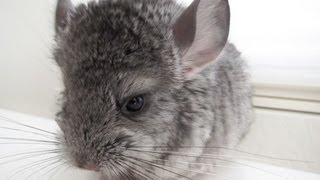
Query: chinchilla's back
x,y
229,82
231,97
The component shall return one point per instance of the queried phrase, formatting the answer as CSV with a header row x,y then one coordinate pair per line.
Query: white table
x,y
30,167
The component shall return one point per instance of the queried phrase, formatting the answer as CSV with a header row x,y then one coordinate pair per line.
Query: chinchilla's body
x,y
150,86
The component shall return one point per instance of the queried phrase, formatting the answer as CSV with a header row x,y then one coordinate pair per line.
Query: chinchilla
x,y
150,87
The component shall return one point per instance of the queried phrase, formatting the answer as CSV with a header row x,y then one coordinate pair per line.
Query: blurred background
x,y
279,39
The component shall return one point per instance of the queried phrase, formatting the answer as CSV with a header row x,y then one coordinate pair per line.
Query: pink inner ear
x,y
196,62
184,29
211,33
205,56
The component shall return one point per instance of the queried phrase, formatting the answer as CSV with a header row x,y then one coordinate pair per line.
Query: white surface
x,y
287,135
21,167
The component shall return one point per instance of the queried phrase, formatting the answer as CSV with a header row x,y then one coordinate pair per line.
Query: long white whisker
x,y
22,169
25,143
119,168
157,166
203,164
150,172
29,140
197,172
30,132
55,170
43,168
215,158
229,149
206,155
31,152
66,169
137,172
2,118
112,167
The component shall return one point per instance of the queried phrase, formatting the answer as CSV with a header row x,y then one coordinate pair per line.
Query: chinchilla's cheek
x,y
65,150
139,138
140,147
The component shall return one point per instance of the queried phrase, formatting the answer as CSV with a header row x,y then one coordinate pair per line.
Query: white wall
x,y
28,77
280,39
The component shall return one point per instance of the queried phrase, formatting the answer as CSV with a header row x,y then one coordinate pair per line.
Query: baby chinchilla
x,y
150,87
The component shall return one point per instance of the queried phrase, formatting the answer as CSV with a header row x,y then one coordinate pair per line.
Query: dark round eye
x,y
135,104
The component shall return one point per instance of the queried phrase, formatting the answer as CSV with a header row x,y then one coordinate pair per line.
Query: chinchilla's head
x,y
123,63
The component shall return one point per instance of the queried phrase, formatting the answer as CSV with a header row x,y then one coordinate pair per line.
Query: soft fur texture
x,y
112,50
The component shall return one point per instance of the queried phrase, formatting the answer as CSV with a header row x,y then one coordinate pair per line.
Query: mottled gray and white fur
x,y
195,85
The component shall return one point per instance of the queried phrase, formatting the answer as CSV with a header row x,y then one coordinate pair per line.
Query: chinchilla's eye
x,y
135,104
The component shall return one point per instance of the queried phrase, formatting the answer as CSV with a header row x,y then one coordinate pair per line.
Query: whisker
x,y
121,172
132,170
140,166
197,172
219,159
25,125
26,156
155,165
136,171
112,168
31,152
57,170
66,169
44,167
22,169
203,164
21,143
209,155
231,149
19,159
149,172
116,170
54,170
30,140
30,132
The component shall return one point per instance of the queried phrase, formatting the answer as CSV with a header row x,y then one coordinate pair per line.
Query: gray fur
x,y
111,50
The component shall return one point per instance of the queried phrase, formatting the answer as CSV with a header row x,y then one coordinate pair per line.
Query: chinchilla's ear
x,y
63,12
201,33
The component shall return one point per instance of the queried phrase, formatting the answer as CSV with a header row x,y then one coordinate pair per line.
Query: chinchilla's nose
x,y
89,166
